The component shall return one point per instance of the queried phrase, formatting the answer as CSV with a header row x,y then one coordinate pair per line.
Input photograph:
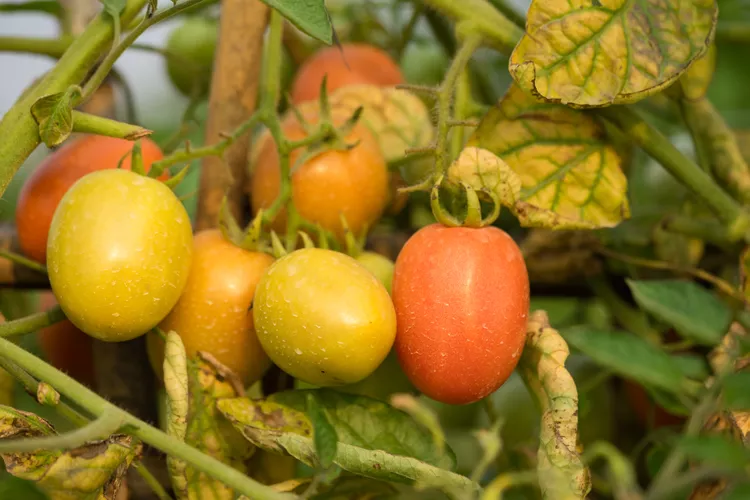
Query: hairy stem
x,y
709,231
19,131
23,261
31,323
88,123
96,405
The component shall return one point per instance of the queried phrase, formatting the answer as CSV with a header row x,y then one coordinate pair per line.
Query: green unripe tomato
x,y
192,45
323,318
384,382
380,266
119,252
424,63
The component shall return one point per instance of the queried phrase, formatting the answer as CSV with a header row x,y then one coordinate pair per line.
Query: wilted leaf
x,y
724,359
562,168
562,474
609,51
54,115
114,7
692,310
375,440
309,16
628,356
356,488
176,386
90,472
209,431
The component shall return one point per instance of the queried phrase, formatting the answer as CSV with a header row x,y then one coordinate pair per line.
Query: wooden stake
x,y
234,93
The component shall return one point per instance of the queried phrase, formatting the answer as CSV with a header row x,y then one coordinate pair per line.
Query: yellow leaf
x,y
597,53
569,174
91,472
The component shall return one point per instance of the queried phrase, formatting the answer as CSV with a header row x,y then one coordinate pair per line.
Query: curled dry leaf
x,y
562,474
176,385
209,431
611,52
94,471
562,173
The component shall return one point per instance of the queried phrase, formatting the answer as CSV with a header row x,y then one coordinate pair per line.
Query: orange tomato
x,y
644,408
66,347
462,302
354,183
213,313
45,187
352,64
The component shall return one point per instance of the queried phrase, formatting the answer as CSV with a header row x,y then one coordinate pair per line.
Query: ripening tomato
x,y
66,347
119,253
352,64
462,301
323,318
45,187
190,60
213,313
352,183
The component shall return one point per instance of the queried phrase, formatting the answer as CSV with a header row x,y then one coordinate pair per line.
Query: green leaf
x,y
375,440
736,393
310,16
92,471
324,435
692,366
692,310
716,450
556,167
628,356
609,52
739,492
561,471
54,115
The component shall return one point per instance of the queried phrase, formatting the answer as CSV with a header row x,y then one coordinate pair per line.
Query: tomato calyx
x,y
473,216
251,238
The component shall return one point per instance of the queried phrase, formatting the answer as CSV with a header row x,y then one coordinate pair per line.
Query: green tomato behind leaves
x,y
380,266
191,47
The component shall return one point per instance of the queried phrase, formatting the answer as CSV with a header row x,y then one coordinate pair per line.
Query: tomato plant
x,y
119,252
213,312
352,182
190,56
309,332
45,187
460,342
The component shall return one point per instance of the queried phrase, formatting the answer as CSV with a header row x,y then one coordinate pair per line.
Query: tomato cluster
x,y
447,318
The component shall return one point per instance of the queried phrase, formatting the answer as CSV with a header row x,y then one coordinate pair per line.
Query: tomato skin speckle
x,y
462,301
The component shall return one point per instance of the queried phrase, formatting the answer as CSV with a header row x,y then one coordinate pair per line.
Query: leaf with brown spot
x,y
588,53
562,474
94,471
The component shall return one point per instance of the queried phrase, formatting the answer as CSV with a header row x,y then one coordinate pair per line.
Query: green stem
x,y
445,96
53,47
31,386
23,261
710,231
682,168
19,131
506,481
96,405
106,65
31,323
87,123
676,459
632,319
622,473
101,428
509,11
489,23
460,112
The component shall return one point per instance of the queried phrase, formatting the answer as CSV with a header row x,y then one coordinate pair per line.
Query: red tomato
x,y
45,187
359,63
462,301
644,408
